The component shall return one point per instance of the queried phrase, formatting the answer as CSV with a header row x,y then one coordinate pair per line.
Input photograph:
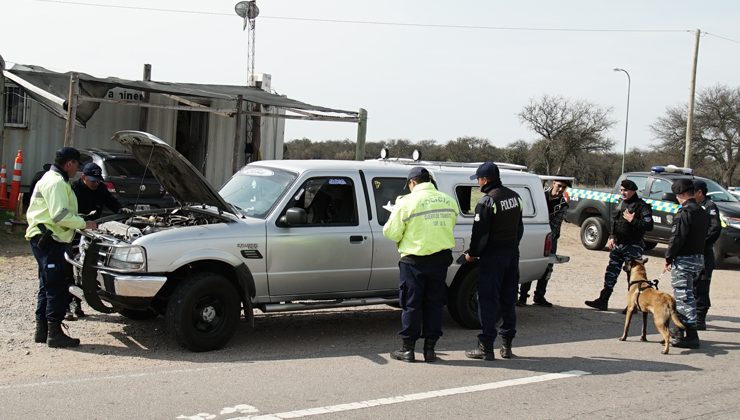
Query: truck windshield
x,y
255,190
717,193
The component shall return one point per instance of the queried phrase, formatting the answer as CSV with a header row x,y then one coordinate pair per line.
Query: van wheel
x,y
203,312
593,233
463,300
650,245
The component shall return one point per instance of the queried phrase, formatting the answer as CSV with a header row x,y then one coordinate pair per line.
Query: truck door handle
x,y
356,239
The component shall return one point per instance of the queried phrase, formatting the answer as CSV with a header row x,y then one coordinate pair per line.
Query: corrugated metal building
x,y
207,139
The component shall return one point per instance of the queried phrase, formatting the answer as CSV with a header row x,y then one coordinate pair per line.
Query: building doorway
x,y
191,138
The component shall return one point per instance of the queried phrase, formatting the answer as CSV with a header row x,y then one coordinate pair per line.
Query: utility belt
x,y
45,239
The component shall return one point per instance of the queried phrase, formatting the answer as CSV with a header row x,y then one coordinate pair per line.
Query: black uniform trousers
x,y
701,286
497,289
422,296
52,298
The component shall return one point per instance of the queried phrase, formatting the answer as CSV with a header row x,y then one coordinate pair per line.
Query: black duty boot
x,y
602,302
701,320
506,348
406,354
689,341
70,316
57,337
522,301
42,331
76,307
483,351
429,355
541,301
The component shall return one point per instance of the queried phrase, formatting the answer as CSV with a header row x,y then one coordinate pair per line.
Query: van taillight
x,y
111,188
548,245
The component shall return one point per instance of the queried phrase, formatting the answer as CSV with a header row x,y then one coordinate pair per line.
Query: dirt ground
x,y
112,343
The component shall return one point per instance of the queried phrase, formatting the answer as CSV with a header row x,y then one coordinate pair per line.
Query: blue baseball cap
x,y
93,172
486,170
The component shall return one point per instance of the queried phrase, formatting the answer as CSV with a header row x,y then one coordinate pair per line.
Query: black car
x,y
128,181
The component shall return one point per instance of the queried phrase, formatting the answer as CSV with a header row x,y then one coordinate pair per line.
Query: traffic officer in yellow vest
x,y
52,220
421,224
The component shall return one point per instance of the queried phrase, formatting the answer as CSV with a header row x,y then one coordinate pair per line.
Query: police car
x,y
593,209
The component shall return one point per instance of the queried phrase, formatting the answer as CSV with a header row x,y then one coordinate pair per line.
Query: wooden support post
x,y
361,134
74,88
144,111
238,147
256,133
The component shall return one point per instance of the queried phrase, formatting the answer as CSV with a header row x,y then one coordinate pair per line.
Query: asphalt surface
x,y
335,364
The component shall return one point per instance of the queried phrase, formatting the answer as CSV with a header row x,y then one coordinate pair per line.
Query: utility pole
x,y
74,89
144,111
690,112
361,134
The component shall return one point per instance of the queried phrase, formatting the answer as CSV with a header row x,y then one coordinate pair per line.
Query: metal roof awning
x,y
51,89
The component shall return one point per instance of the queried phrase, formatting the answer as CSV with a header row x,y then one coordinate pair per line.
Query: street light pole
x,y
627,118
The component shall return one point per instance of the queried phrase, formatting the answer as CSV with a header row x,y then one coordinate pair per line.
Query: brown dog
x,y
643,296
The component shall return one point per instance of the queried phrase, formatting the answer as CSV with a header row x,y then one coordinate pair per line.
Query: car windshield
x,y
255,190
128,167
719,194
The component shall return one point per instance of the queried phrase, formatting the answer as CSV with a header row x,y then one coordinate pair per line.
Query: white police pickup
x,y
279,236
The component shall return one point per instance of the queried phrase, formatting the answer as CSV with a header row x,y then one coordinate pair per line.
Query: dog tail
x,y
674,315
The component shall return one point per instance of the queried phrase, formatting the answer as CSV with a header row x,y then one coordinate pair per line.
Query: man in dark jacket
x,y
634,217
557,205
684,258
91,197
497,230
701,287
36,178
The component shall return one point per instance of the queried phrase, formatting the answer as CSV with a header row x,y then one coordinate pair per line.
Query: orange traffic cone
x,y
15,183
3,188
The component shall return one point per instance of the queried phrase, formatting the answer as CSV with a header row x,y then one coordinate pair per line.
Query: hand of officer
x,y
91,225
667,267
468,258
628,216
126,210
610,243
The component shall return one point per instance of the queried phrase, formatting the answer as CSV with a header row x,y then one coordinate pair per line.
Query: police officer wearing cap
x,y
421,224
91,197
684,258
497,230
52,221
633,218
701,287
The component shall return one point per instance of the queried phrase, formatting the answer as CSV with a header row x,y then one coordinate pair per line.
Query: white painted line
x,y
101,378
416,397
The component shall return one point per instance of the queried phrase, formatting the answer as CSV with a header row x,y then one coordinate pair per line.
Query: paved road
x,y
335,364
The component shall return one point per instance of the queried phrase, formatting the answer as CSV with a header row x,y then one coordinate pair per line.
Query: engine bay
x,y
130,227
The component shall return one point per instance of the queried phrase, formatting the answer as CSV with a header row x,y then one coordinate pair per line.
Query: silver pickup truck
x,y
279,236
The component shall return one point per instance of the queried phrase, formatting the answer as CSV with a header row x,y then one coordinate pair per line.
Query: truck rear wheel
x,y
203,312
593,233
463,300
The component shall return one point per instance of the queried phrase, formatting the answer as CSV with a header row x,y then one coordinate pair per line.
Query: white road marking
x,y
415,397
101,378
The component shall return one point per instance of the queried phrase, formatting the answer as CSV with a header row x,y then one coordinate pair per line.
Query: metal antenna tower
x,y
249,11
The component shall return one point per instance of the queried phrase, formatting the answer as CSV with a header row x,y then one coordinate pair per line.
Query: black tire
x,y
650,245
203,312
463,300
593,233
138,315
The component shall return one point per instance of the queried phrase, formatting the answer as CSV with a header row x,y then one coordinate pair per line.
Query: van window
x,y
468,196
386,190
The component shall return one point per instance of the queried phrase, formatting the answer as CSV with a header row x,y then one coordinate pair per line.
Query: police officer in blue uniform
x,y
91,196
634,217
684,258
701,287
497,230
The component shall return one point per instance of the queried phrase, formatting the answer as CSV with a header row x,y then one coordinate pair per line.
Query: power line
x,y
376,23
722,37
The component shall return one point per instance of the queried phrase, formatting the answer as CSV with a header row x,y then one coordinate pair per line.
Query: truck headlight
x,y
127,258
726,220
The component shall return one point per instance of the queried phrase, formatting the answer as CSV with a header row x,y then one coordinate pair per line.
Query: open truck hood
x,y
176,174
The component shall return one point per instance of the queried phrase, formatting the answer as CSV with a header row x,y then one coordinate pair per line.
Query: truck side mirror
x,y
669,196
294,216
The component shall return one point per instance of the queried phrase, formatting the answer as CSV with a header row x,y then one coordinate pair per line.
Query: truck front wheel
x,y
203,312
463,300
593,233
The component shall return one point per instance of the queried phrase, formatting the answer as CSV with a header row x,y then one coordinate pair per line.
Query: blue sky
x,y
417,82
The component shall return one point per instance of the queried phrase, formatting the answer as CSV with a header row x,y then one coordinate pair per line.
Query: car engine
x,y
132,227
